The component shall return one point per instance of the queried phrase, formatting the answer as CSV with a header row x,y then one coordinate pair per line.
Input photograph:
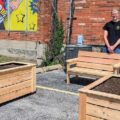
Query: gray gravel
x,y
57,79
45,104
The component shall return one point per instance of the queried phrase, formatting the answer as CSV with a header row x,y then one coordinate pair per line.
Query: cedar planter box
x,y
16,79
101,100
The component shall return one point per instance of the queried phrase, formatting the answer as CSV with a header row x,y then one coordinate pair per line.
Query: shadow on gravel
x,y
57,79
81,81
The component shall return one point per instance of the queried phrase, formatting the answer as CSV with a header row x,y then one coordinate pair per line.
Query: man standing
x,y
112,33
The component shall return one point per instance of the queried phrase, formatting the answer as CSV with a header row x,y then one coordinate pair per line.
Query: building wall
x,y
44,26
89,18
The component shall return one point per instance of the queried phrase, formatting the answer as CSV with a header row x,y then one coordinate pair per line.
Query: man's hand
x,y
111,49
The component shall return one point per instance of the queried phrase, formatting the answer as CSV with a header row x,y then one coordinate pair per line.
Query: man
x,y
112,33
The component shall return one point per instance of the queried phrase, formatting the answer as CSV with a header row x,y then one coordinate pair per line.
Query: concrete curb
x,y
48,68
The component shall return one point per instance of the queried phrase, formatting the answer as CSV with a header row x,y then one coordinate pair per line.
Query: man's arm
x,y
105,38
106,41
116,44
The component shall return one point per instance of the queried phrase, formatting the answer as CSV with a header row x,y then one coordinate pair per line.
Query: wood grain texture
x,y
93,63
100,105
16,82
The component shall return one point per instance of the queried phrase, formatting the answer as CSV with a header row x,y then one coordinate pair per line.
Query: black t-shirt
x,y
113,29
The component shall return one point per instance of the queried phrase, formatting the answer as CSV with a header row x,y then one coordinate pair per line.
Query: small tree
x,y
57,39
53,51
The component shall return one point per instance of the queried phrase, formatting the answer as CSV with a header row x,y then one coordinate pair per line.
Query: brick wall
x,y
90,16
44,23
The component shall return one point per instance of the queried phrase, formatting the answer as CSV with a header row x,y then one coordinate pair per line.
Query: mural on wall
x,y
18,15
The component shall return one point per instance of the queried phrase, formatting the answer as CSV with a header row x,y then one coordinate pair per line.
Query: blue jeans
x,y
117,50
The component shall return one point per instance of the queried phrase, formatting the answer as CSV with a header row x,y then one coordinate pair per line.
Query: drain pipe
x,y
70,18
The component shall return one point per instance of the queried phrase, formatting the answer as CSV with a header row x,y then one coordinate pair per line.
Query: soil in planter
x,y
111,85
10,65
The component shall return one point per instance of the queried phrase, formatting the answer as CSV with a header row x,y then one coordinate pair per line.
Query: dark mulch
x,y
112,85
10,65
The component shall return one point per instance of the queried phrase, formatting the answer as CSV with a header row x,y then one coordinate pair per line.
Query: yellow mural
x,y
22,15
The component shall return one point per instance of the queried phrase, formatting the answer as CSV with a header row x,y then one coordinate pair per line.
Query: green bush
x,y
53,50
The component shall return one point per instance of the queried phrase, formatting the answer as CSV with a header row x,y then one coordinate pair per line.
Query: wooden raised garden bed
x,y
101,100
16,79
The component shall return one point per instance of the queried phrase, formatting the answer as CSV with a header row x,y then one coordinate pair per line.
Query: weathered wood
x,y
15,87
68,78
33,80
99,105
76,70
82,107
93,63
99,55
98,60
72,60
17,81
88,117
14,94
102,112
105,102
95,66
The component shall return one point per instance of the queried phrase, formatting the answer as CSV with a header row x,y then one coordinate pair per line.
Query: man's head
x,y
115,14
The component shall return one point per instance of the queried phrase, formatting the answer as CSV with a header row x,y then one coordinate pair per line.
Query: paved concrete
x,y
46,104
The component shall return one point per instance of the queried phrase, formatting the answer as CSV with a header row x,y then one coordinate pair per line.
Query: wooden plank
x,y
72,60
15,69
14,73
10,76
87,89
95,66
77,70
12,88
82,106
14,80
98,93
99,55
101,80
98,60
67,75
103,101
102,112
33,80
88,117
15,94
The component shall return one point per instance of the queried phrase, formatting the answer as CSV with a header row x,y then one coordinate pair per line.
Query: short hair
x,y
115,10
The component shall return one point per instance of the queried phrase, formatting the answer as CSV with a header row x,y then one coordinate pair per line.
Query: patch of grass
x,y
8,59
49,63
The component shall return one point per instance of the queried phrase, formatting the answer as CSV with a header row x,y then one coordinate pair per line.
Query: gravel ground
x,y
57,79
45,104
